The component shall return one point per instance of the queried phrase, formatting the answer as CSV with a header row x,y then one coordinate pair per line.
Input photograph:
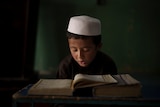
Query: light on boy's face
x,y
82,50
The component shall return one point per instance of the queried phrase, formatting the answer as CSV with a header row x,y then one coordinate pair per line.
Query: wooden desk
x,y
22,97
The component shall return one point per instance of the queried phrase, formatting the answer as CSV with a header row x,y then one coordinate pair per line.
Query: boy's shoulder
x,y
103,56
67,59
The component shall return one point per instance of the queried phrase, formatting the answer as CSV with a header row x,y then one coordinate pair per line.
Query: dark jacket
x,y
68,68
102,64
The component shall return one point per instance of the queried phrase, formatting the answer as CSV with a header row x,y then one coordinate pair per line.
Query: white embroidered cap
x,y
84,25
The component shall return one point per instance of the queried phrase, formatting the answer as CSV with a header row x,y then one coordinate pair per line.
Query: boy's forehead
x,y
81,41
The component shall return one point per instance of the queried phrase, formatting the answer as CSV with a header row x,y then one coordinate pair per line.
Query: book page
x,y
109,79
89,77
125,79
53,83
129,79
85,80
51,87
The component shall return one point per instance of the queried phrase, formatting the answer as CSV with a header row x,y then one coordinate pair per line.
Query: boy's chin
x,y
83,65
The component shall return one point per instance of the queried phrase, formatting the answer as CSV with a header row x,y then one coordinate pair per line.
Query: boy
x,y
84,39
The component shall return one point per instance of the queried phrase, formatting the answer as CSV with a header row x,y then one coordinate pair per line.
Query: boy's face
x,y
83,50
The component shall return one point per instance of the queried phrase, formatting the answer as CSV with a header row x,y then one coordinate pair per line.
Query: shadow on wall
x,y
60,12
51,37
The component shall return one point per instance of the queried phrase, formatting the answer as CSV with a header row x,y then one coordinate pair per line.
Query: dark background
x,y
18,21
32,39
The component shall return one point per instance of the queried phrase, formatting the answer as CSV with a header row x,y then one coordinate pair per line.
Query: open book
x,y
66,86
127,86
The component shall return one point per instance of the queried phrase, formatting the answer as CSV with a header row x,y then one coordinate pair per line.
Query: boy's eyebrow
x,y
82,47
72,47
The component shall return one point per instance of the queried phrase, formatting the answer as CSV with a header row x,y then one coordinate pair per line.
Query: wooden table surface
x,y
22,97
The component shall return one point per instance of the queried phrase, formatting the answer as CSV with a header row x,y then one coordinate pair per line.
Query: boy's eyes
x,y
74,50
84,49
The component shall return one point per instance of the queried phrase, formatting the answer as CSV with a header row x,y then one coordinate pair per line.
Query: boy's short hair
x,y
96,39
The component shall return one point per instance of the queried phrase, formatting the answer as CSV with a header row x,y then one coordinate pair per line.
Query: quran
x,y
121,85
66,86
